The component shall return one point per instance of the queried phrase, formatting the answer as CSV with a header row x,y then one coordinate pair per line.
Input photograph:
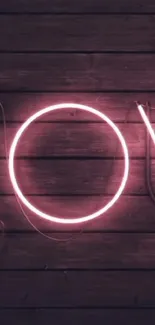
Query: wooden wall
x,y
99,53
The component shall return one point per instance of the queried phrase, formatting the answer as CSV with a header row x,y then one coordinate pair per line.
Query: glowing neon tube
x,y
146,121
12,168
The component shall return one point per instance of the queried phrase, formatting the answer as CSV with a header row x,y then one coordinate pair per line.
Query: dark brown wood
x,y
78,251
130,213
119,107
86,52
73,177
65,6
70,72
76,316
77,33
76,140
77,289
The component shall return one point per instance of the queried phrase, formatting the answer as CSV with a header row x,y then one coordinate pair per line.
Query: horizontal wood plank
x,y
119,107
72,289
81,72
76,140
77,33
77,251
130,214
74,177
77,316
63,6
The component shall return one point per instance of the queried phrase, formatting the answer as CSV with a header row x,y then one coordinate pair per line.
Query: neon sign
x,y
146,121
124,149
12,169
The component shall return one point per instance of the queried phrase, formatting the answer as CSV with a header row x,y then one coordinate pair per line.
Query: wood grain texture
x,y
120,107
98,53
86,6
81,251
76,140
77,289
74,177
76,316
77,33
130,214
70,72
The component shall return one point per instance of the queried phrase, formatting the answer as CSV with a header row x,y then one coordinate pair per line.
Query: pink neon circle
x,y
12,170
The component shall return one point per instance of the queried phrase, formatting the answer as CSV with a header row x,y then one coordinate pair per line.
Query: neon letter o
x,y
12,169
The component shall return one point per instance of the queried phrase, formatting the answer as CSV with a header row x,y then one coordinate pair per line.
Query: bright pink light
x,y
146,121
12,169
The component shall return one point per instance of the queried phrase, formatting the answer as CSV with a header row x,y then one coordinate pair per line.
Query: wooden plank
x,y
80,72
74,177
77,33
78,251
64,6
78,316
130,214
76,140
119,107
77,288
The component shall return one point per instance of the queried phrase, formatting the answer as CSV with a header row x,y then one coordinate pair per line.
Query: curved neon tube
x,y
12,169
146,121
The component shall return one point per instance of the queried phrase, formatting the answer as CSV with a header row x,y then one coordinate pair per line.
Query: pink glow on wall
x,y
12,168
